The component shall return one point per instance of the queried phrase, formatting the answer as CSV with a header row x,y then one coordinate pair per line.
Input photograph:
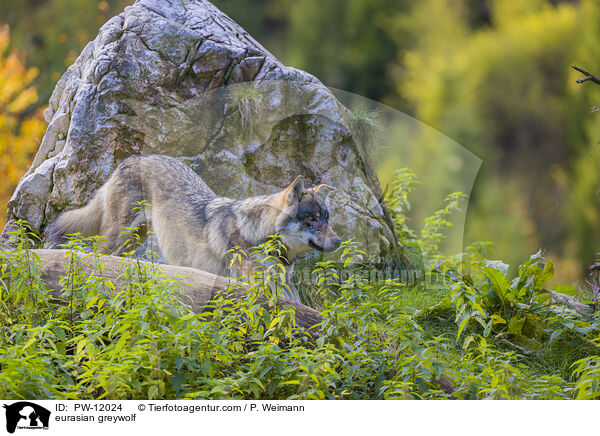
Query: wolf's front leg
x,y
246,269
257,271
292,292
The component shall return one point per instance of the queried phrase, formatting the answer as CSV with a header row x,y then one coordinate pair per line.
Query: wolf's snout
x,y
332,240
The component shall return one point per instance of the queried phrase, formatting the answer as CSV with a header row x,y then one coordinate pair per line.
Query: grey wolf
x,y
193,226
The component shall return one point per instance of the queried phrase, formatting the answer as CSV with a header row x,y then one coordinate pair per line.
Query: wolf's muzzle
x,y
331,241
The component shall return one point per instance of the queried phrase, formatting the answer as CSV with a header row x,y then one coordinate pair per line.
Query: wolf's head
x,y
307,222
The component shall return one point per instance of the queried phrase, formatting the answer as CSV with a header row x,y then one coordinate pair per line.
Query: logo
x,y
26,415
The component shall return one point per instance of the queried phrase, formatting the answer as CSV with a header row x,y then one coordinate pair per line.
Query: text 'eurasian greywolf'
x,y
193,226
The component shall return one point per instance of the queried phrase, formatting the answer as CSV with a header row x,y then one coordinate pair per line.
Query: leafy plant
x,y
479,333
398,200
587,372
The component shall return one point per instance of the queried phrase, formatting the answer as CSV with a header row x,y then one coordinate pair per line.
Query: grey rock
x,y
180,78
32,195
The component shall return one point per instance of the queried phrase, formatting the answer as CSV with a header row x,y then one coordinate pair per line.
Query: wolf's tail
x,y
86,221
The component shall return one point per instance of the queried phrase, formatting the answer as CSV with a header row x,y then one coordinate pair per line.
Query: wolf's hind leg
x,y
126,241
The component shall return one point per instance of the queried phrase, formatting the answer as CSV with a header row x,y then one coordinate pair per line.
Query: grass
x,y
436,317
365,125
246,99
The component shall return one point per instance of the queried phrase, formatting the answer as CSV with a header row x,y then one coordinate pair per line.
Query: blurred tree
x,y
265,20
347,43
502,90
53,32
19,132
582,181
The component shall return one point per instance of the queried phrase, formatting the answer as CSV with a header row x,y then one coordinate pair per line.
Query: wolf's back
x,y
168,186
85,220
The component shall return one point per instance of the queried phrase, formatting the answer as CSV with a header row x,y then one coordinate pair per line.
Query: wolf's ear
x,y
294,191
323,189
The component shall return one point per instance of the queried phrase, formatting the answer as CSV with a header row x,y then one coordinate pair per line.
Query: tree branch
x,y
587,74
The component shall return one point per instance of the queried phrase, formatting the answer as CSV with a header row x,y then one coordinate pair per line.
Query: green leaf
x,y
274,322
461,327
498,281
568,324
515,325
498,265
497,319
176,381
29,342
565,289
467,342
91,303
61,349
81,345
60,334
488,328
153,392
120,344
544,275
555,334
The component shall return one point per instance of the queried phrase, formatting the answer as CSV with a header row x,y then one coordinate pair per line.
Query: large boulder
x,y
180,78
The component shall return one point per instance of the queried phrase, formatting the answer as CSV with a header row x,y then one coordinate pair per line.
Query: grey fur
x,y
193,226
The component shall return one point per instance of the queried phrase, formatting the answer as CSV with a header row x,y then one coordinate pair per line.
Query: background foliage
x,y
21,124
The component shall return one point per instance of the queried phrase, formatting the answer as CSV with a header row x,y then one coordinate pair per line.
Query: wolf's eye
x,y
311,218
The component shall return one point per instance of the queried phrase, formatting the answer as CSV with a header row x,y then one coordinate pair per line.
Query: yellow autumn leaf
x,y
20,130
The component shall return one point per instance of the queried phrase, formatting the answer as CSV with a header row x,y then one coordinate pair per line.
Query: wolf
x,y
192,225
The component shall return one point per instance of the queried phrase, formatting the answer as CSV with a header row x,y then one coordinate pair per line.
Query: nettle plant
x,y
432,236
486,296
136,338
492,306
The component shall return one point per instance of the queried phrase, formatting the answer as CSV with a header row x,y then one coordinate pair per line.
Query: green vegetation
x,y
493,75
246,99
504,89
466,322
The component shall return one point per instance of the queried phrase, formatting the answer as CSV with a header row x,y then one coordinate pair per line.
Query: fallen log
x,y
198,287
